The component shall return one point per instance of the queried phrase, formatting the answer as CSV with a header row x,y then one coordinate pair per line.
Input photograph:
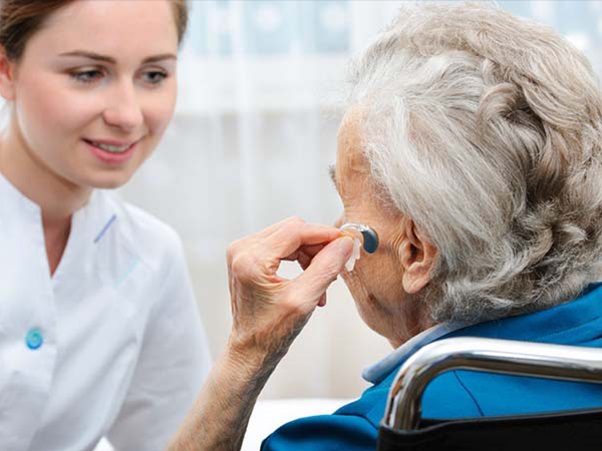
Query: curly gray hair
x,y
486,130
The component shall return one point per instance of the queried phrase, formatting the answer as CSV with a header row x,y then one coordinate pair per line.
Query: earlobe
x,y
6,76
417,258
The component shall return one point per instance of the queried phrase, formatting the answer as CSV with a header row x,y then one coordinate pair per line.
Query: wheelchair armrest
x,y
550,361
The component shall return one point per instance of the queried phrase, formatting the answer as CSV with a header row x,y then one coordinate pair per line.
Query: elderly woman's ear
x,y
417,257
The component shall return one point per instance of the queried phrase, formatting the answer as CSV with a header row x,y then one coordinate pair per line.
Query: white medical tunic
x,y
111,345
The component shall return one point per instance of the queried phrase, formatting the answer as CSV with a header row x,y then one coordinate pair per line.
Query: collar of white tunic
x,y
380,370
88,224
12,197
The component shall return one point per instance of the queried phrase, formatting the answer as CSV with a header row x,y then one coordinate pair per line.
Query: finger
x,y
313,249
304,260
308,251
300,257
255,257
323,270
305,254
249,240
322,301
288,239
284,223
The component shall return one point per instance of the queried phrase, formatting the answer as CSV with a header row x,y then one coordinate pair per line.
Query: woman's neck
x,y
57,197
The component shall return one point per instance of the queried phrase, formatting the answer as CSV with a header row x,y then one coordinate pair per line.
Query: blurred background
x,y
261,84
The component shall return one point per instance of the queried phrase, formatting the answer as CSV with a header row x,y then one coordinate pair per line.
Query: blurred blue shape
x,y
197,28
520,8
331,26
565,16
223,9
576,17
270,27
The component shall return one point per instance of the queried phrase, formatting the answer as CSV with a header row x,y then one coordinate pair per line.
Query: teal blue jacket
x,y
460,394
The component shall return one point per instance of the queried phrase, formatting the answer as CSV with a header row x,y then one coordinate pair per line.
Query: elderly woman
x,y
473,146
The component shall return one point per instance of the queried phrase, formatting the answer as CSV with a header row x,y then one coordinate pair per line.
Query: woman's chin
x,y
108,180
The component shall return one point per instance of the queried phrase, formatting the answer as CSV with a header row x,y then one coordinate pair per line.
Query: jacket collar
x,y
564,324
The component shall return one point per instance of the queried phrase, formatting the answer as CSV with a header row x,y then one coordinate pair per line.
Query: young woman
x,y
99,331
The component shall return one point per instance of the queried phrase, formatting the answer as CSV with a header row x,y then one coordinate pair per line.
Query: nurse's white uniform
x,y
111,345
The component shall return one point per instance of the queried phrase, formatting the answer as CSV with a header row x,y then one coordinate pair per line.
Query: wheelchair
x,y
403,429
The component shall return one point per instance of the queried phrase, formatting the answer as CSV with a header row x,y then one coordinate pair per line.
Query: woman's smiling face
x,y
95,89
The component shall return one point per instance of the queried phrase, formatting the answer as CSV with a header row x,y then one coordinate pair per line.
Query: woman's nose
x,y
124,110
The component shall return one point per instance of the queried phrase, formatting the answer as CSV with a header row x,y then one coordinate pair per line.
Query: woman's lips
x,y
106,156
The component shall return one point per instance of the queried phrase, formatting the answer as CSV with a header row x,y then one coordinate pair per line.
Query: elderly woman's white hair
x,y
486,130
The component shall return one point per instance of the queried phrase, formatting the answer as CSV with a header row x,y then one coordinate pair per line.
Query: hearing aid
x,y
363,236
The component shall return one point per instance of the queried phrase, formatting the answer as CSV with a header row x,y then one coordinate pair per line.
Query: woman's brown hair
x,y
21,19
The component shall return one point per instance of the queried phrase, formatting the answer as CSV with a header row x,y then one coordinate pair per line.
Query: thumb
x,y
324,269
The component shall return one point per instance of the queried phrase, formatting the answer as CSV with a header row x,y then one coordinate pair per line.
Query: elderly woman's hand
x,y
268,313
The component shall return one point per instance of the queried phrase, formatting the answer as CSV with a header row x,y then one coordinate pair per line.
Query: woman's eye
x,y
154,77
87,76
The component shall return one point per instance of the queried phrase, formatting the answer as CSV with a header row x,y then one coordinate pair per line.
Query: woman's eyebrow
x,y
108,59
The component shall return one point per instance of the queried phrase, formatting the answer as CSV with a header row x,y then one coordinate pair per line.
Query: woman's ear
x,y
7,71
418,256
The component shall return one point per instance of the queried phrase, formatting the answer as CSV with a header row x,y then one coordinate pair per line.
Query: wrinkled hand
x,y
269,311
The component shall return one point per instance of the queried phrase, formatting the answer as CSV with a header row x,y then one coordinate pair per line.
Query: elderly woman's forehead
x,y
351,151
351,117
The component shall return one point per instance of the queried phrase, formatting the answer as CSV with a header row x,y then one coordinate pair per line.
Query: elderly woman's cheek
x,y
351,281
356,281
366,302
